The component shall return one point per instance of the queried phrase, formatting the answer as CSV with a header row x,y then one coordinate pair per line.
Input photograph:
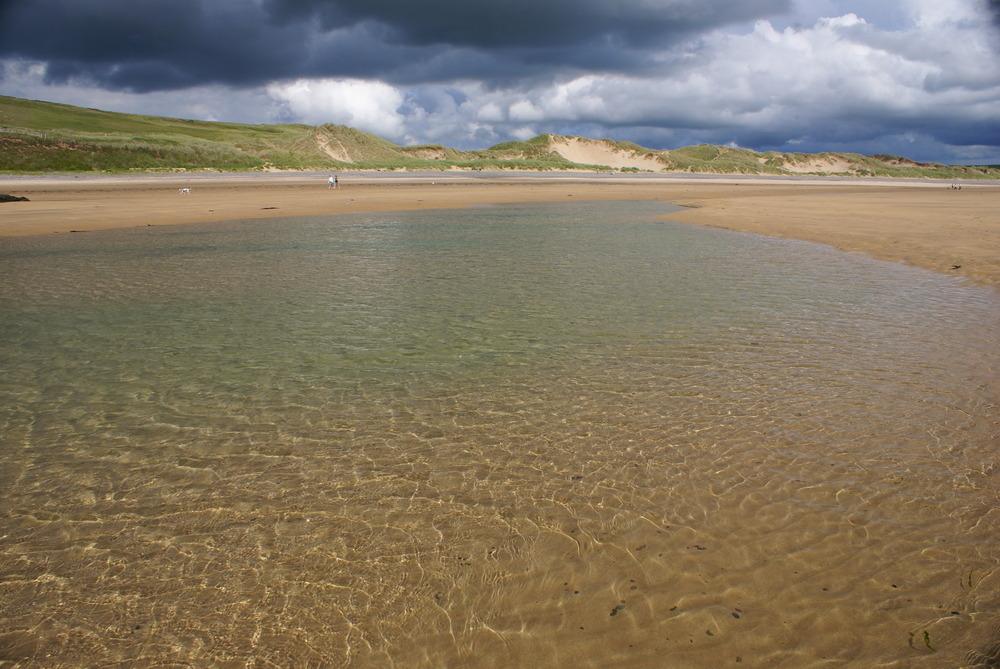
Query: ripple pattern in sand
x,y
515,436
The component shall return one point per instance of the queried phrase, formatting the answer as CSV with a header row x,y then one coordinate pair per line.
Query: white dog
x,y
184,191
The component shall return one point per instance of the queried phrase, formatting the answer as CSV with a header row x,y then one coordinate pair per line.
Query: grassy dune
x,y
728,160
48,137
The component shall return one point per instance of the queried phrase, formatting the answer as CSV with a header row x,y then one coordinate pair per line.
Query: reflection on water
x,y
519,436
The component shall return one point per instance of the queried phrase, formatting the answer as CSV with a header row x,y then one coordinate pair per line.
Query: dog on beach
x,y
184,191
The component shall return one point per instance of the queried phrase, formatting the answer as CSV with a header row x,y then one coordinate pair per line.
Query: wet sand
x,y
812,482
925,224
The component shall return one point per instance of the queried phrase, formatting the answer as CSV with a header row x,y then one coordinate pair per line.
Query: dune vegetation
x,y
38,136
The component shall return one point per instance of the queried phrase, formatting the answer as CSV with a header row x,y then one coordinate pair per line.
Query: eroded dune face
x,y
332,147
818,165
512,436
601,152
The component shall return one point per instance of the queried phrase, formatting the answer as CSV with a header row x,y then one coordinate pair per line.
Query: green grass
x,y
44,137
720,159
48,137
39,152
535,149
37,115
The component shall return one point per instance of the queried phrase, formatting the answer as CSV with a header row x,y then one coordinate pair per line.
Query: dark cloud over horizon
x,y
150,45
530,24
920,77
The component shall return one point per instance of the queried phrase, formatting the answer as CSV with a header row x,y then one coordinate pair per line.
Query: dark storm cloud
x,y
147,45
993,6
917,78
152,45
494,24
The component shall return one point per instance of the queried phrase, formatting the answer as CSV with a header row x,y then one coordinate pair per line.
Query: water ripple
x,y
511,436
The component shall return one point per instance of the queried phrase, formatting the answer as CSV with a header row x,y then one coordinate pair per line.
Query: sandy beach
x,y
634,335
926,224
502,436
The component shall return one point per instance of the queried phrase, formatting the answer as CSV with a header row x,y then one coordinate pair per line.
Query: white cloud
x,y
525,110
936,13
368,105
490,113
26,79
918,75
839,78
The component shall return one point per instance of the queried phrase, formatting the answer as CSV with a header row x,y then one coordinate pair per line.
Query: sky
x,y
919,78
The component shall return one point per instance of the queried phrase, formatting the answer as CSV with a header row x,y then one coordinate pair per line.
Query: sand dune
x,y
332,147
603,152
818,164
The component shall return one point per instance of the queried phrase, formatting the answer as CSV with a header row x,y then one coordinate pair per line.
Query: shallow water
x,y
510,436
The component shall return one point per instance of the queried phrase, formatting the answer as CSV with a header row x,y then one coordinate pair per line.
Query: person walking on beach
x,y
331,182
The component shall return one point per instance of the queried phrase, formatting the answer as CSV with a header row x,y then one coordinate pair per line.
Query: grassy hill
x,y
48,137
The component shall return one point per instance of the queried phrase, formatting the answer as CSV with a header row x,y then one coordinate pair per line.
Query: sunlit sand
x,y
527,435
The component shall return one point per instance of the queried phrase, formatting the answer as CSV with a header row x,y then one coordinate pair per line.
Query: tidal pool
x,y
558,435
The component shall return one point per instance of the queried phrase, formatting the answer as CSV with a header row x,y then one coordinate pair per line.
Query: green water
x,y
177,402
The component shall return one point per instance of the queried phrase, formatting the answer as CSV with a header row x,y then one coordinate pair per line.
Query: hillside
x,y
48,137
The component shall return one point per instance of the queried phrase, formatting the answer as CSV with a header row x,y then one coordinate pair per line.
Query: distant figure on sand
x,y
332,182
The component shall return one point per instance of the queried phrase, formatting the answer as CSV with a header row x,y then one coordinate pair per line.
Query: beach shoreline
x,y
528,435
924,224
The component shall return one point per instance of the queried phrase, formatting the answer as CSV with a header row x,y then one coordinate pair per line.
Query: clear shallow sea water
x,y
506,436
